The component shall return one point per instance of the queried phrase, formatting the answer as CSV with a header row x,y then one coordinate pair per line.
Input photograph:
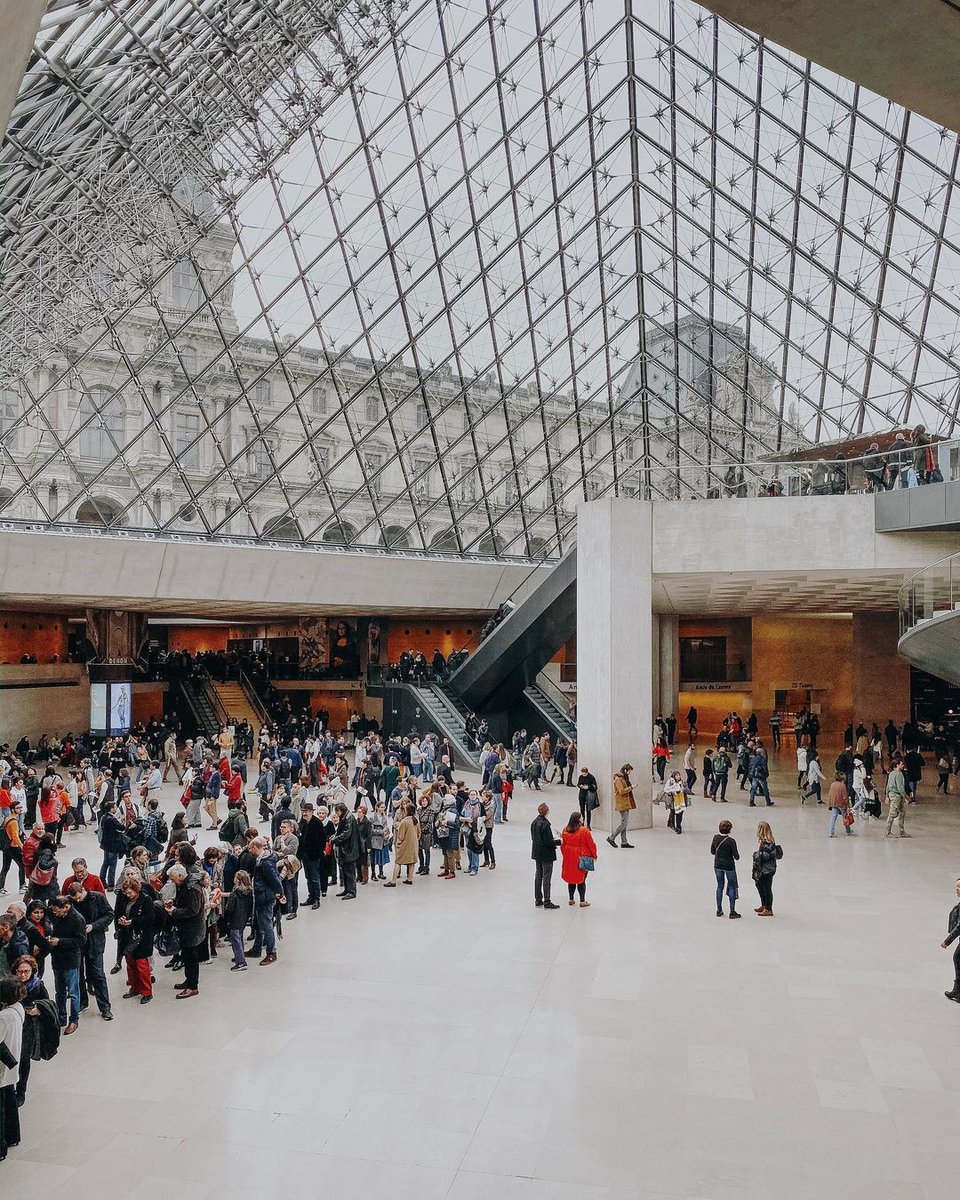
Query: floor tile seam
x,y
516,1042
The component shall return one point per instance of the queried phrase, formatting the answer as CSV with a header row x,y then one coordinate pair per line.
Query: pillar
x,y
668,644
614,643
881,678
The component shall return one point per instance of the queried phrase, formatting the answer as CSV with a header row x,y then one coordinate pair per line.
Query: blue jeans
x,y
311,870
428,770
835,815
728,878
108,869
759,785
497,808
266,937
416,770
720,785
473,860
66,983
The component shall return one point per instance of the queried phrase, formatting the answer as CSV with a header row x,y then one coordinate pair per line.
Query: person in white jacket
x,y
814,777
801,766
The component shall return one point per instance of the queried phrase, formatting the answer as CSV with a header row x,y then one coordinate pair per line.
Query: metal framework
x,y
423,275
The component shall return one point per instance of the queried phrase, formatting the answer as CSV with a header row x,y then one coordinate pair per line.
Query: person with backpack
x,y
447,829
765,859
721,775
578,851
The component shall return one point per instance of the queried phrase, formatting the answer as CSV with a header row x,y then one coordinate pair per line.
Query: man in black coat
x,y
313,845
544,854
66,940
98,918
347,842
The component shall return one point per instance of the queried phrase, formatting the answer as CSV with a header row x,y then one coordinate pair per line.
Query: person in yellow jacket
x,y
623,802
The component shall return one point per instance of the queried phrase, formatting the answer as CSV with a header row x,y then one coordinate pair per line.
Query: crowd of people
x,y
394,813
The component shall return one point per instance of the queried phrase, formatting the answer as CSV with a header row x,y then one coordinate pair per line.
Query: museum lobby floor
x,y
452,1042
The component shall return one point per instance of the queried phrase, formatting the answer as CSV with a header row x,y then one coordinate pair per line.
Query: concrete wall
x,y
881,679
43,699
814,650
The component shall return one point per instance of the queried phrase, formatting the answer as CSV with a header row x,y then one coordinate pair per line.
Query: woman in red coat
x,y
577,845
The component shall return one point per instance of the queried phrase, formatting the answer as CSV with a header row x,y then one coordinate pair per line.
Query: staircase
x,y
553,715
236,703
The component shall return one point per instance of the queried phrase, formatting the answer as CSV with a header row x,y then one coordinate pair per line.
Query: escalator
x,y
551,704
426,708
508,660
196,706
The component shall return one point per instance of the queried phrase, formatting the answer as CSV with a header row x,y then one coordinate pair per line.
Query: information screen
x,y
98,708
120,705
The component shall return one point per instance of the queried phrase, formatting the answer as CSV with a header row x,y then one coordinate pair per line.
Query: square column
x,y
614,647
668,645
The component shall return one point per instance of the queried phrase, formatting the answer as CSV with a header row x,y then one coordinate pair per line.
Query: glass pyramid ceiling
x,y
425,275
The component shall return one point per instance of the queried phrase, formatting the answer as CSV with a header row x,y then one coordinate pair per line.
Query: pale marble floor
x,y
451,1042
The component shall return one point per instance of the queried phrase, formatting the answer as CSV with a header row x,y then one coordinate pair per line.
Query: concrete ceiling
x,y
907,50
19,21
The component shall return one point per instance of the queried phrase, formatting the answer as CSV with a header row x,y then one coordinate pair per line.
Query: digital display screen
x,y
98,708
120,705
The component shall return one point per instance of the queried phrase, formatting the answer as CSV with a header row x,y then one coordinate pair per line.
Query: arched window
x,y
537,547
491,543
98,510
101,413
339,532
9,412
6,499
284,528
394,538
446,539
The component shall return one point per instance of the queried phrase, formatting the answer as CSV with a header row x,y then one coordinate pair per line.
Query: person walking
x,y
896,791
589,799
801,770
690,765
839,802
624,803
725,859
815,777
721,774
579,854
765,859
953,935
679,799
544,853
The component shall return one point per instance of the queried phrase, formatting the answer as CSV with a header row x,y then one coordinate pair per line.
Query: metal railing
x,y
560,700
932,590
253,696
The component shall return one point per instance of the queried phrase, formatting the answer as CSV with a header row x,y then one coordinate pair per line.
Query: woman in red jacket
x,y
579,852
